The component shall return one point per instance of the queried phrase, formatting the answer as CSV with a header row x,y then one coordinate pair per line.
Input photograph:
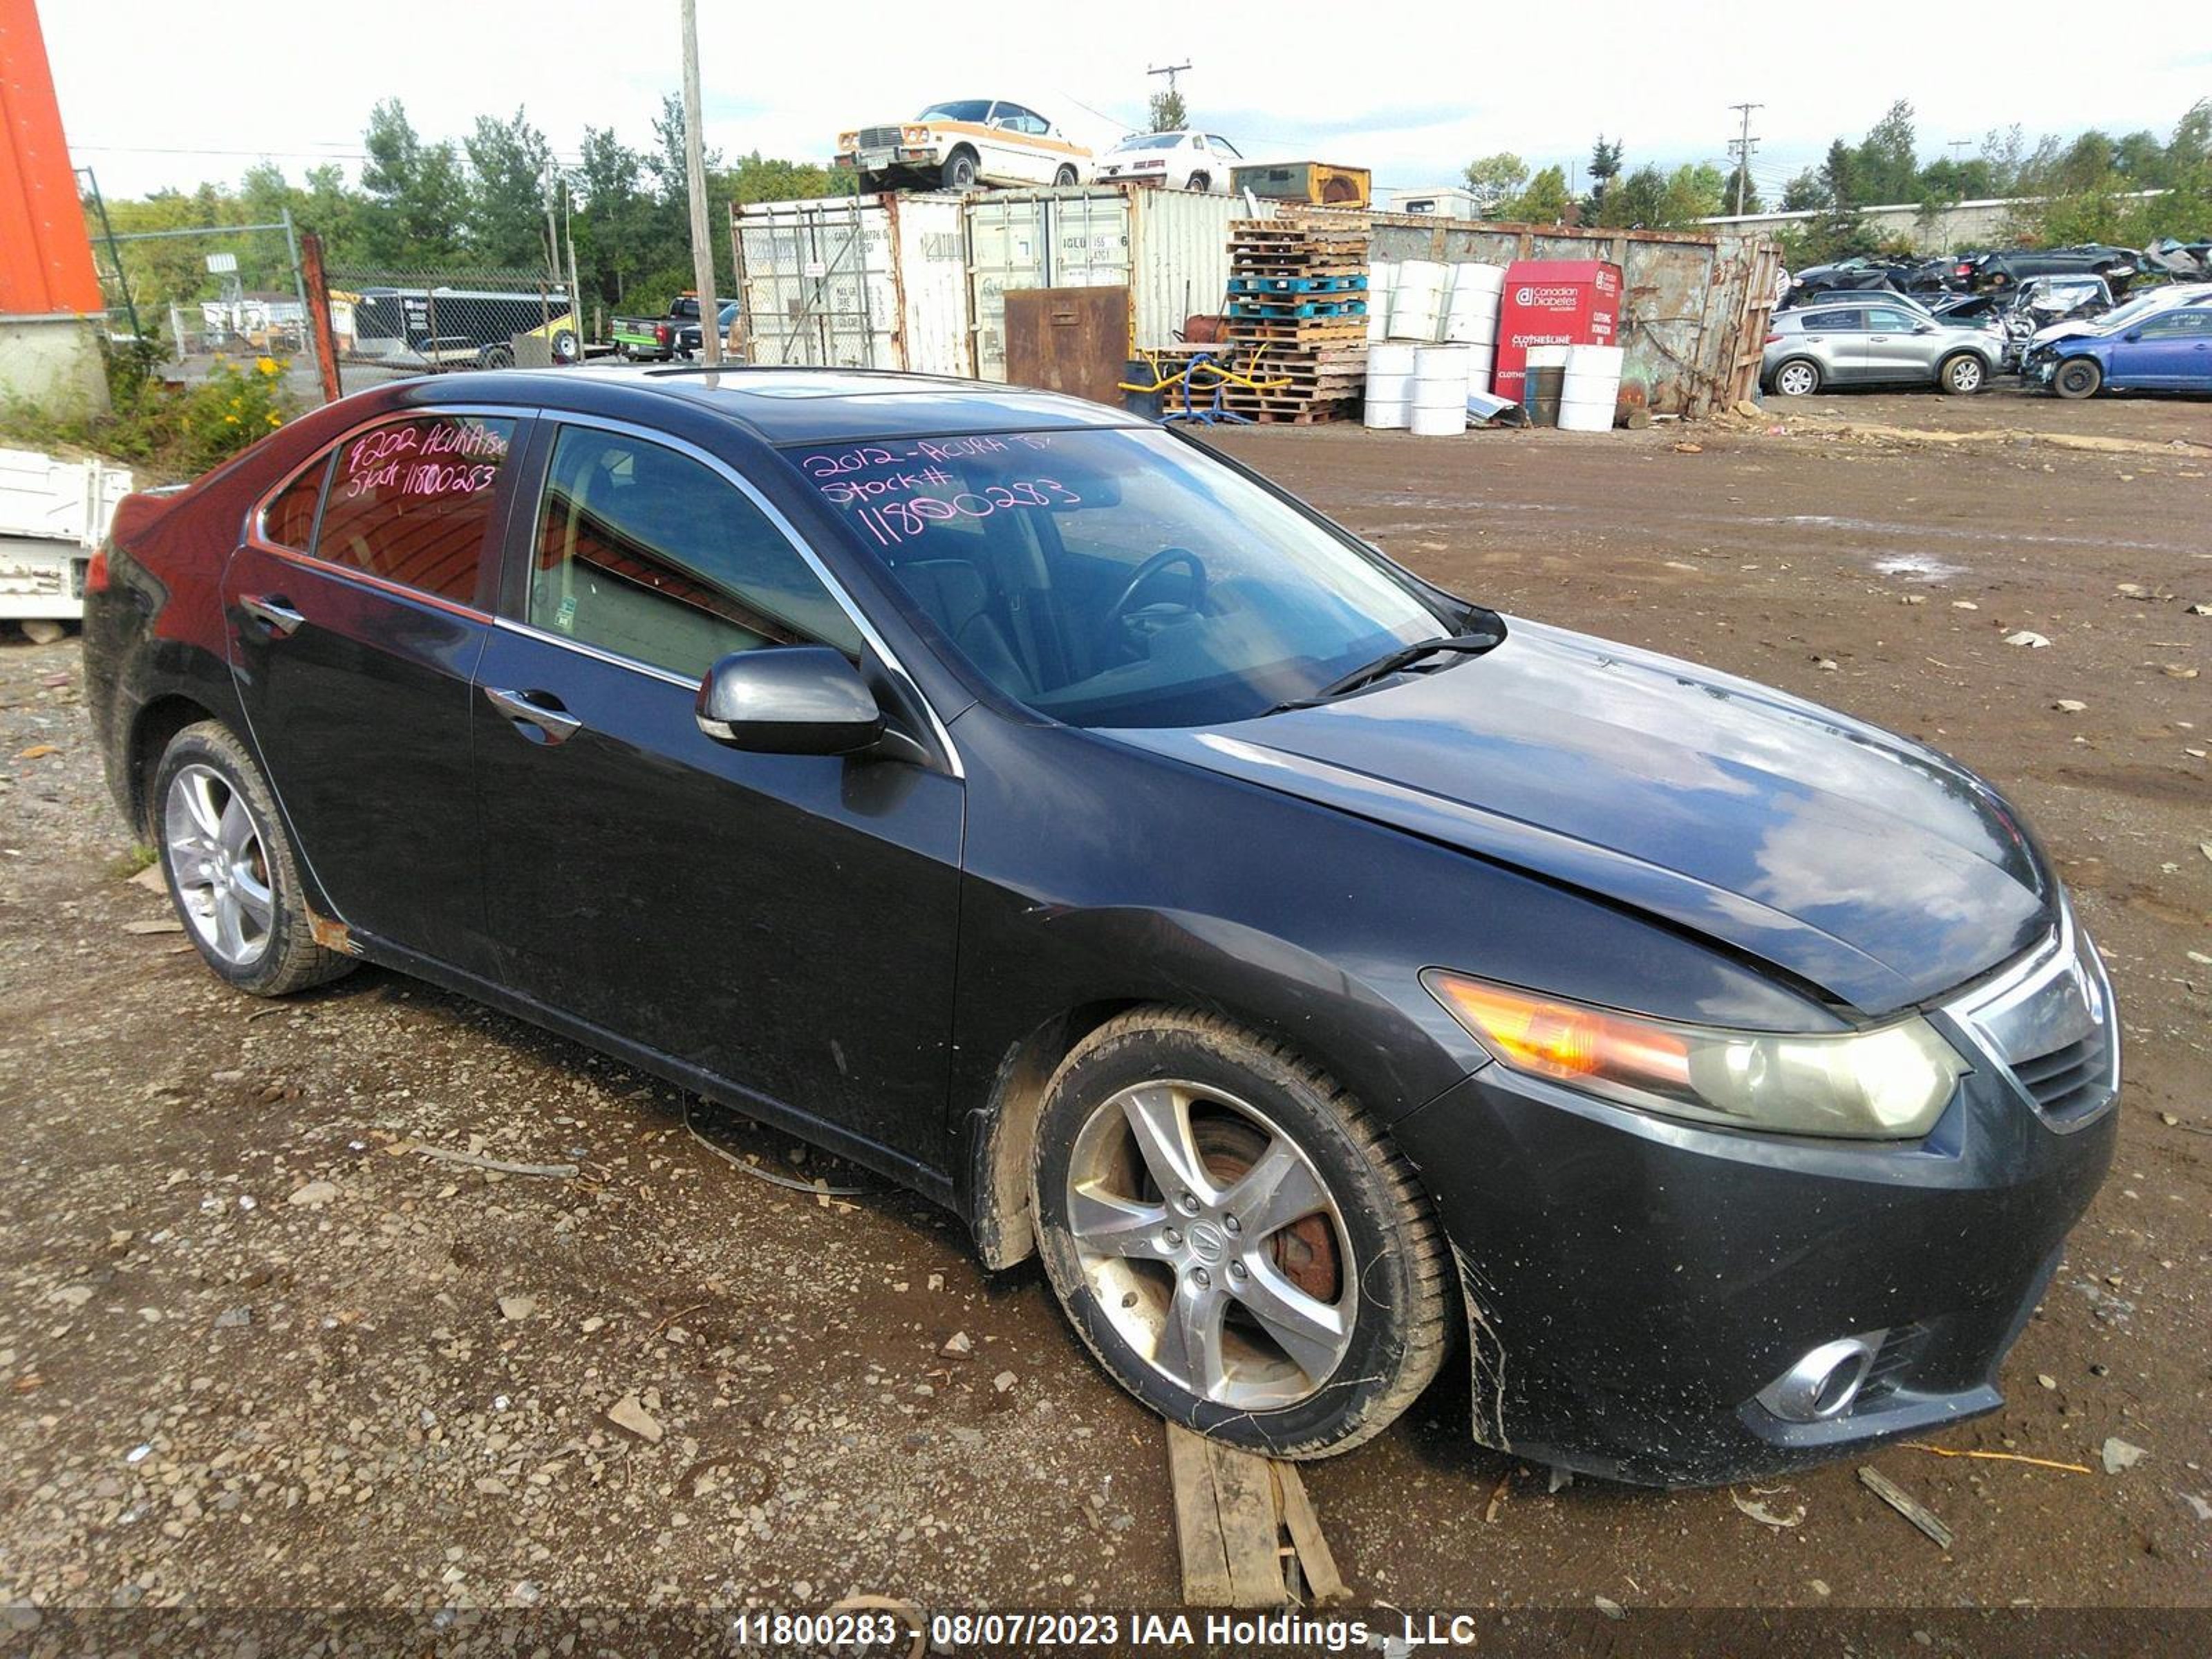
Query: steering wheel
x,y
1119,614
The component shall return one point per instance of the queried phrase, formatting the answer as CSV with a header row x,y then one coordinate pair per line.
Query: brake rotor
x,y
1305,1252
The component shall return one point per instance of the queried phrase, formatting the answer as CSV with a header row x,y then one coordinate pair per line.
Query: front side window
x,y
1118,577
411,502
1891,322
645,552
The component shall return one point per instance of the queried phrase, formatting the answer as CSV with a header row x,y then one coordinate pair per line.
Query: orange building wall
x,y
45,258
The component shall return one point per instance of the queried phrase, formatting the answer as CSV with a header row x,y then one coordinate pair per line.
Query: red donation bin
x,y
1552,302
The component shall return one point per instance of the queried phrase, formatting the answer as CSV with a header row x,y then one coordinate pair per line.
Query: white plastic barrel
x,y
1389,388
1438,422
1589,388
1475,276
1381,273
1418,297
1384,417
1389,359
1440,382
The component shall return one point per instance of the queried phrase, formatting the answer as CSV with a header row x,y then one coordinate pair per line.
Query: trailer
x,y
54,515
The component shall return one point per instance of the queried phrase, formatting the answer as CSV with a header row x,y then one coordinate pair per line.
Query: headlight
x,y
915,134
848,141
1891,1083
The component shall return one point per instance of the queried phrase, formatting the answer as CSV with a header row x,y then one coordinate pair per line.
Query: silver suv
x,y
1867,341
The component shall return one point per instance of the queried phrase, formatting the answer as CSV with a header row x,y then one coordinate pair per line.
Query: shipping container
x,y
855,281
1168,247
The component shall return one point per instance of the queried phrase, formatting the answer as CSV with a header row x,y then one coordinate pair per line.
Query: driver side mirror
x,y
2132,334
1923,328
789,699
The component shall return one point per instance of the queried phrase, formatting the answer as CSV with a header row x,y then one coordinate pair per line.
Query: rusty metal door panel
x,y
1074,340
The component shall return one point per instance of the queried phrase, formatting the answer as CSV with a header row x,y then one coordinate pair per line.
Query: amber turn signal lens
x,y
1562,1039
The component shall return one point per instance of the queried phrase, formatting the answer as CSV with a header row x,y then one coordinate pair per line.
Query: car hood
x,y
1855,861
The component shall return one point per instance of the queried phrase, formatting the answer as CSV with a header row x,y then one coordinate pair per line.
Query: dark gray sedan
x,y
1875,343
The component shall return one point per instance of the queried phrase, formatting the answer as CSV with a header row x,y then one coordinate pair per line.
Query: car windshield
x,y
960,109
1152,141
2136,309
1119,578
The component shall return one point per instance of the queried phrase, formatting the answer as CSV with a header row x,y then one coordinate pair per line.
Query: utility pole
x,y
1742,147
1175,103
694,171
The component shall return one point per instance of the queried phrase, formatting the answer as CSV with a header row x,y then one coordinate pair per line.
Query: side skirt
x,y
933,1184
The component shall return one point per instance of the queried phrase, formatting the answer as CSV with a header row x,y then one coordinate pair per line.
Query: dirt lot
x,y
259,1347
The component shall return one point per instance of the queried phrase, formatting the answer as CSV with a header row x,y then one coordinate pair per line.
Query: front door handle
x,y
270,611
539,709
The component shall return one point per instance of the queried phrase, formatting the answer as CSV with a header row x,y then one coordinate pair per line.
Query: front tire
x,y
1962,375
1234,1238
1200,181
2078,377
230,866
1065,177
960,170
1798,378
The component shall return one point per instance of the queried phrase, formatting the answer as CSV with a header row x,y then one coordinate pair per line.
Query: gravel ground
x,y
265,1340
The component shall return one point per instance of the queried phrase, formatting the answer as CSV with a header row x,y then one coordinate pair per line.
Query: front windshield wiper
x,y
1472,644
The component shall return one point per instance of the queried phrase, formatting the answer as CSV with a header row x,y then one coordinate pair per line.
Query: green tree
x,y
1604,167
1497,179
1167,112
510,164
1638,199
1740,176
415,193
1840,176
1886,165
1805,193
1545,201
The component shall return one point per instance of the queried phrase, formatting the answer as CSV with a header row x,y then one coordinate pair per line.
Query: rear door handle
x,y
539,709
270,611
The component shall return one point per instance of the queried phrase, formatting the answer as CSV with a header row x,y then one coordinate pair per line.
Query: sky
x,y
1413,89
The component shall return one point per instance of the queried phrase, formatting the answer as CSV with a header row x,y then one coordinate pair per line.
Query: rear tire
x,y
1233,1237
2078,377
1798,378
1962,375
230,866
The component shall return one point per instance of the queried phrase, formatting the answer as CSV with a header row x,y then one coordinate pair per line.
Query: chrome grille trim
x,y
2049,1027
880,137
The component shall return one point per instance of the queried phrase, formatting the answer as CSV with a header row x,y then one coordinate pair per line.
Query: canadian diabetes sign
x,y
1552,302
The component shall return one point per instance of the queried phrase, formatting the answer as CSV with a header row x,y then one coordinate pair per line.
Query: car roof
x,y
809,405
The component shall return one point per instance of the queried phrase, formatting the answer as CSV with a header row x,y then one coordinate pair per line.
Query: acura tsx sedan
x,y
1319,972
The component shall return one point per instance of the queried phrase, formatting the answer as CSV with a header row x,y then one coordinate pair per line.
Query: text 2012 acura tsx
x,y
1316,969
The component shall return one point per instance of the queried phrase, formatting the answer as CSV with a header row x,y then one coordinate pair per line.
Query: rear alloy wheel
x,y
230,868
1962,375
2078,377
1234,1238
1798,378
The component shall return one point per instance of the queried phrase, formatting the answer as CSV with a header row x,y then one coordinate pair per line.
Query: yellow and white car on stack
x,y
962,145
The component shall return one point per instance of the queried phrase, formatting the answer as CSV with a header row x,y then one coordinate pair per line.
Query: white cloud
x,y
1413,88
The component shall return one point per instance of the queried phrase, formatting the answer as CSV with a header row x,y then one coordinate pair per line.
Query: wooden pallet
x,y
1348,283
1290,310
1310,331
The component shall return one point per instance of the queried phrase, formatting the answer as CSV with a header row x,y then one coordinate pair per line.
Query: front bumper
x,y
1633,1283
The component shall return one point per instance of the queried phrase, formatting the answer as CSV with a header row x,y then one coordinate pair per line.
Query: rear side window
x,y
290,520
1830,322
645,552
411,502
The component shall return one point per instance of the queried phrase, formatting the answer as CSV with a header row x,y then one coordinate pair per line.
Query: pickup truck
x,y
54,515
656,339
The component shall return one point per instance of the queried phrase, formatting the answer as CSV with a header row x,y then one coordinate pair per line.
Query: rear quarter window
x,y
411,502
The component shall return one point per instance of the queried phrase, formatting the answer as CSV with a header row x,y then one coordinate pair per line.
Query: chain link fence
x,y
205,294
390,324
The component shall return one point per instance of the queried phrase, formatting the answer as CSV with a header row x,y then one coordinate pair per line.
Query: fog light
x,y
1824,1382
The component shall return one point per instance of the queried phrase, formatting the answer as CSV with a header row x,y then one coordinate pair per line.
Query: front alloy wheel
x,y
1212,1244
1234,1237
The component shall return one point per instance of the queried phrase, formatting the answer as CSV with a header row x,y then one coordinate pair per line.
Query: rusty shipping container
x,y
855,281
1694,304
